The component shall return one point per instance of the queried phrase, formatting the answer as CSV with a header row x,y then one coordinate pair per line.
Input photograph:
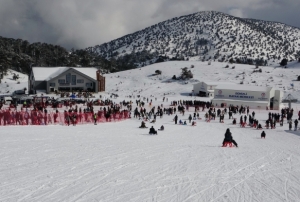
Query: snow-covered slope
x,y
144,82
8,85
120,162
208,35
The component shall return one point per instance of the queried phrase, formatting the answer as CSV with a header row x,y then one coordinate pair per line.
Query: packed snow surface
x,y
117,161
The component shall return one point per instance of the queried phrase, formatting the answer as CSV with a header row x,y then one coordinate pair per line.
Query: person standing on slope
x,y
190,118
176,119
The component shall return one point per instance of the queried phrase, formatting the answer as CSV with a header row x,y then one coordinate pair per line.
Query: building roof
x,y
216,83
48,73
243,87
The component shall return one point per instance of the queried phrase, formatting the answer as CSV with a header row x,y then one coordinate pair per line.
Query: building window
x,y
73,79
80,81
89,84
61,81
68,78
52,84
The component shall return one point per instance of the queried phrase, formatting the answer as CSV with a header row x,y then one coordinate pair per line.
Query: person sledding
x,y
143,125
162,128
228,138
259,127
152,131
153,121
194,123
180,122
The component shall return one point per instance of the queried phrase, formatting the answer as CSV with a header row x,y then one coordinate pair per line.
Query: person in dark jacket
x,y
290,125
152,131
263,134
228,138
175,119
190,118
296,124
143,125
162,127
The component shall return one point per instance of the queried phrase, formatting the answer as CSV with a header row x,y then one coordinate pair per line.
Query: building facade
x,y
207,88
53,79
253,96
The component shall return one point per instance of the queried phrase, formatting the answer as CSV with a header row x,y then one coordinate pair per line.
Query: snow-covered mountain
x,y
209,35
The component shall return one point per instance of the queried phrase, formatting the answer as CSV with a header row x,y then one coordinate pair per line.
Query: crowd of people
x,y
111,111
67,115
247,118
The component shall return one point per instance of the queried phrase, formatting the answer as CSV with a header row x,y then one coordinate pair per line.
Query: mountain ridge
x,y
209,35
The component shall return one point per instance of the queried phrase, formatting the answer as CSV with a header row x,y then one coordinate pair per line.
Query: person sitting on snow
x,y
184,123
152,131
263,134
180,122
228,138
234,121
162,128
259,126
194,123
143,125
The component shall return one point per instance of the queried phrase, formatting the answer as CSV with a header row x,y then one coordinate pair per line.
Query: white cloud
x,y
236,13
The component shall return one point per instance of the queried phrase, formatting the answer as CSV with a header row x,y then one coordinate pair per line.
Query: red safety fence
x,y
8,117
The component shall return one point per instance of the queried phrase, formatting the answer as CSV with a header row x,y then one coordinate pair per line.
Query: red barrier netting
x,y
9,117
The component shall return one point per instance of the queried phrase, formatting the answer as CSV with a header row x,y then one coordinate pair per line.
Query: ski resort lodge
x,y
50,79
253,96
207,88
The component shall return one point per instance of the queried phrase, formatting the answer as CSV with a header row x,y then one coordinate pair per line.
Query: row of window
x,y
62,83
73,81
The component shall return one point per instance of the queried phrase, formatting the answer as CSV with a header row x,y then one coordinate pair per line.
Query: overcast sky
x,y
84,23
